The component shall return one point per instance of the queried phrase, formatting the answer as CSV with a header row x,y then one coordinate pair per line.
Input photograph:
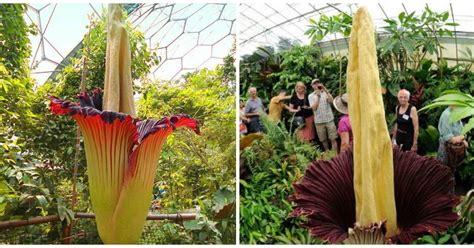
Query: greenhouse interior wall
x,y
451,52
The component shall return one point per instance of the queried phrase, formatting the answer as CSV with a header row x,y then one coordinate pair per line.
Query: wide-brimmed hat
x,y
340,103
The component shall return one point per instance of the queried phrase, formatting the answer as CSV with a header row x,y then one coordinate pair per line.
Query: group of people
x,y
312,114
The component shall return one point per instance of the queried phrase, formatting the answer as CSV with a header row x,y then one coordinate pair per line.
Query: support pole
x,y
68,229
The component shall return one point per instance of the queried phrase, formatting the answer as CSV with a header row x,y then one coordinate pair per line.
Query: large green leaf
x,y
460,113
222,198
393,88
444,103
451,95
408,45
444,239
193,225
42,200
469,126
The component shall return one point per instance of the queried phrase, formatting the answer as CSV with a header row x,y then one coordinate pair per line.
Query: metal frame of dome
x,y
262,24
223,17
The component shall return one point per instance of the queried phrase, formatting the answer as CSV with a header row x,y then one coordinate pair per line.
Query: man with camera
x,y
321,101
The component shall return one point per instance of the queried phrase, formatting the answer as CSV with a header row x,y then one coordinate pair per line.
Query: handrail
x,y
53,218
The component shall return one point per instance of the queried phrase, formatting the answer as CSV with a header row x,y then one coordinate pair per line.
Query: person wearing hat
x,y
321,101
344,128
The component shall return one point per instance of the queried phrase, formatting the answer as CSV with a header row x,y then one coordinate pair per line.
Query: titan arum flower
x,y
374,190
122,153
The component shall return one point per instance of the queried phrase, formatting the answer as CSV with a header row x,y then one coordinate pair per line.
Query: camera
x,y
320,87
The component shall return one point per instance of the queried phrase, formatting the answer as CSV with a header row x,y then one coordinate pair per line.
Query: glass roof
x,y
187,36
262,24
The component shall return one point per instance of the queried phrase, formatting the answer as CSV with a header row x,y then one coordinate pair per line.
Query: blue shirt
x,y
448,130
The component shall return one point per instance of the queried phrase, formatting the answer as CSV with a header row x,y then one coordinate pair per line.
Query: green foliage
x,y
276,162
30,189
15,102
408,40
196,168
461,232
466,171
402,54
53,138
33,234
85,231
215,223
428,139
36,147
228,68
164,232
464,107
269,71
255,71
27,187
15,82
326,25
299,63
412,37
15,48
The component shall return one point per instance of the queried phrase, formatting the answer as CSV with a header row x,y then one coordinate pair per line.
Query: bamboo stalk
x,y
53,218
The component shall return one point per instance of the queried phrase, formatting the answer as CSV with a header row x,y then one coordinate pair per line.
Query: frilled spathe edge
x,y
424,201
91,107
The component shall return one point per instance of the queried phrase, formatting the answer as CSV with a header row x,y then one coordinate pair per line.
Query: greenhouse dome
x,y
186,36
267,24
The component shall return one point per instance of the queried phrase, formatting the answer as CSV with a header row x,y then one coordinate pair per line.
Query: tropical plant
x,y
418,213
461,231
466,170
165,232
464,107
335,194
326,25
428,139
207,161
275,161
15,82
122,152
228,67
216,221
16,47
255,71
52,139
300,63
37,147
